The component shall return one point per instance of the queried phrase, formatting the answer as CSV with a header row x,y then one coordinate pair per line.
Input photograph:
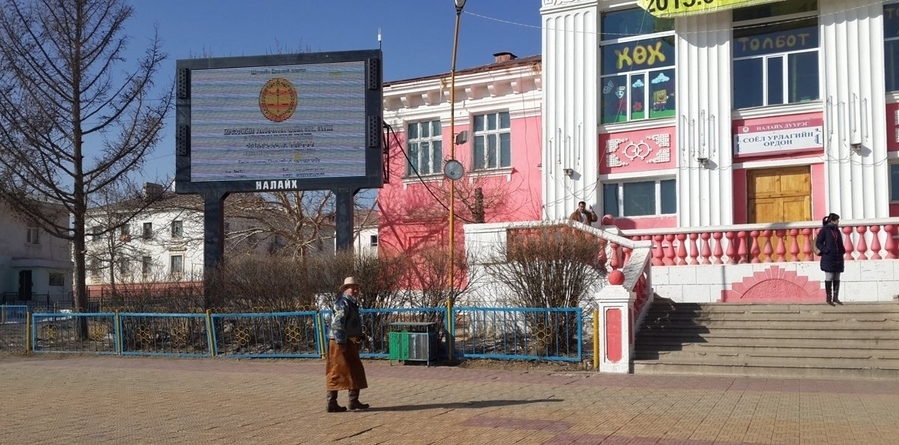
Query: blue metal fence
x,y
276,334
519,333
13,329
554,334
184,335
66,332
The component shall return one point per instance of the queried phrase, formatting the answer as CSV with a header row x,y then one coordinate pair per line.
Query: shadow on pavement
x,y
460,405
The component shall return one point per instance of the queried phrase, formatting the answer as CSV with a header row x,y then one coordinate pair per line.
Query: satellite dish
x,y
453,169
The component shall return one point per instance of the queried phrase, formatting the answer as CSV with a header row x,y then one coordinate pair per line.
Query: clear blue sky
x,y
417,36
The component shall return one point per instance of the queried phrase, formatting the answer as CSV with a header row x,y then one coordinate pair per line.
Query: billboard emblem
x,y
278,99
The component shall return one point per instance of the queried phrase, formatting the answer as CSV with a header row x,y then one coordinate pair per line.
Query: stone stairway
x,y
855,340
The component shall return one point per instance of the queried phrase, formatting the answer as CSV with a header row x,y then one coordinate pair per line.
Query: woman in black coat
x,y
829,243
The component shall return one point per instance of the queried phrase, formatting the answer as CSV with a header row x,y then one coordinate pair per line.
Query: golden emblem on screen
x,y
278,99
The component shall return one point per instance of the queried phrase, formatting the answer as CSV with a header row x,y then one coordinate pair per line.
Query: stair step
x,y
648,367
785,340
890,359
771,351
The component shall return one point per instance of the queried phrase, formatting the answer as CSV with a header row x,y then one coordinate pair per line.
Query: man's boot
x,y
836,292
828,287
354,401
333,407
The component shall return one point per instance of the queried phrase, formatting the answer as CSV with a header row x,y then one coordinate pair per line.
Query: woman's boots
x,y
833,292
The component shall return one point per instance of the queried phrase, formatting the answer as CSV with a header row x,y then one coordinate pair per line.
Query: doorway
x,y
779,195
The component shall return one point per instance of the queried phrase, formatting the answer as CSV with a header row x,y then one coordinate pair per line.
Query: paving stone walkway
x,y
141,400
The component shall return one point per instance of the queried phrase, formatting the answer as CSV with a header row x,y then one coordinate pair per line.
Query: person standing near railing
x,y
343,366
583,214
829,245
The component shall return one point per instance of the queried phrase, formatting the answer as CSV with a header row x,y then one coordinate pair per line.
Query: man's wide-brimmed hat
x,y
349,281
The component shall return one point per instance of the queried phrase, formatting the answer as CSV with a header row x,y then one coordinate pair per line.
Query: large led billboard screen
x,y
284,122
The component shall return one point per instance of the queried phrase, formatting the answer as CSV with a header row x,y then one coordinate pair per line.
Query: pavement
x,y
151,400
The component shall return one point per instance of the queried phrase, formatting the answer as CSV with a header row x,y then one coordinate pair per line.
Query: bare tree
x,y
549,267
60,86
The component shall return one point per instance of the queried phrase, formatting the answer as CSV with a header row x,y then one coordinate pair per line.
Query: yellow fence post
x,y
320,321
209,337
595,339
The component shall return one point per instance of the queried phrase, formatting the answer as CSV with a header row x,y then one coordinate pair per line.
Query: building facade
x,y
34,266
779,112
495,134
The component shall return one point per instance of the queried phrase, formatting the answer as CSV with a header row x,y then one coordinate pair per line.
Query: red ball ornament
x,y
616,277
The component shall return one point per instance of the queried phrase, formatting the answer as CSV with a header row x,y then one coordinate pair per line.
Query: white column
x,y
854,96
704,105
570,104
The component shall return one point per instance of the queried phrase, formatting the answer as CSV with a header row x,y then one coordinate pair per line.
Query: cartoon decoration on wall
x,y
661,95
637,95
620,92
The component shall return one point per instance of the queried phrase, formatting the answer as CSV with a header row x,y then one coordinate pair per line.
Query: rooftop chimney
x,y
152,190
504,56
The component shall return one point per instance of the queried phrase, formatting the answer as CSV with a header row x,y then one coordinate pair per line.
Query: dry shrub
x,y
549,267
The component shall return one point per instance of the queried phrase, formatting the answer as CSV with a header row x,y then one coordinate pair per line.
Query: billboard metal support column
x,y
344,218
214,233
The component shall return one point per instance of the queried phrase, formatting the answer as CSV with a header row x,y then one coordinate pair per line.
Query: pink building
x,y
497,139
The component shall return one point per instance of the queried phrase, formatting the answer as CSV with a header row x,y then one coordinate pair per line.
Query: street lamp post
x,y
452,195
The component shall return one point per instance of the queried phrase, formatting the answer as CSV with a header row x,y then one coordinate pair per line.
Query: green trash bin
x,y
413,341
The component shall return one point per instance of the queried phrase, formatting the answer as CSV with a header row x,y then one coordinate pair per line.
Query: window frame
x,y
888,42
146,266
147,232
647,75
658,197
33,236
485,134
784,58
177,229
172,271
436,159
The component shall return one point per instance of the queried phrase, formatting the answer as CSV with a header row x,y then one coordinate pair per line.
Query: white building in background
x,y
165,242
34,266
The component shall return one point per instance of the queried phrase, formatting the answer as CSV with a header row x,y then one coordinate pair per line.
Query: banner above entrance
x,y
678,8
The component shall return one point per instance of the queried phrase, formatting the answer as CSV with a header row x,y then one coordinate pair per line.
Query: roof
x,y
521,61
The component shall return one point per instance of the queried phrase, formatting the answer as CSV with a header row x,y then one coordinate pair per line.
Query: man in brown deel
x,y
343,368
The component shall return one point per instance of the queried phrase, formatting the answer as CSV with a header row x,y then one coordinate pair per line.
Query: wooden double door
x,y
779,195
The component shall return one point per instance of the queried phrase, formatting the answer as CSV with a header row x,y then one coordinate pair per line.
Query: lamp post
x,y
452,195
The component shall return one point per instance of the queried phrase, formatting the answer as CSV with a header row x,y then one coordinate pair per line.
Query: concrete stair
x,y
855,340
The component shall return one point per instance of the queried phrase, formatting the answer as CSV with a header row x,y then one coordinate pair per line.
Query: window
x,y
177,229
775,62
894,182
492,141
33,236
148,230
125,232
57,279
425,148
95,267
637,76
177,265
95,233
125,266
646,198
373,241
891,45
146,266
